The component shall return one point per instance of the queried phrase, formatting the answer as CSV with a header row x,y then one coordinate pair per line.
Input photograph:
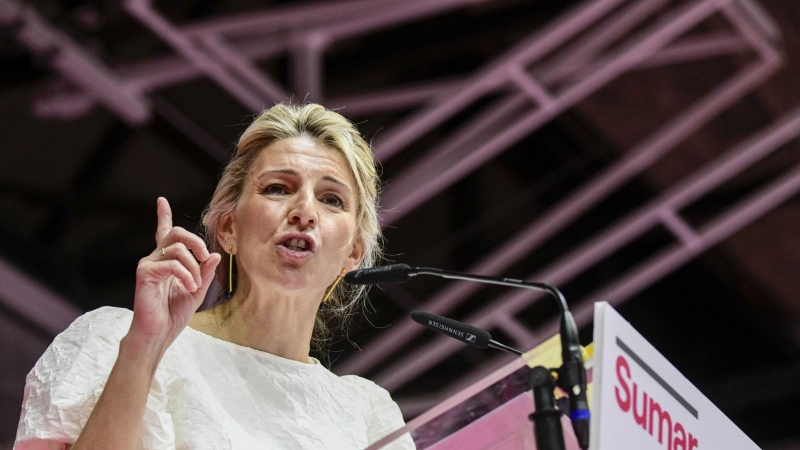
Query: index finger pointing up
x,y
164,214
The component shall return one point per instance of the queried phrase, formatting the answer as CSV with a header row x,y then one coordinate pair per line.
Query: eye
x,y
333,200
275,189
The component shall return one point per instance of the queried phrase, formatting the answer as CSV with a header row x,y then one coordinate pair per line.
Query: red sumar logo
x,y
645,410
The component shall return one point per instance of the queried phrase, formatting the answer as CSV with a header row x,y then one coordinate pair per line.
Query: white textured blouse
x,y
207,394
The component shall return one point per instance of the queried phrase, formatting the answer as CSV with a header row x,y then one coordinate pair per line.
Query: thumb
x,y
207,269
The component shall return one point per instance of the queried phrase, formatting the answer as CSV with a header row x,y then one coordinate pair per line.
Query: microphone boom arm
x,y
510,282
572,374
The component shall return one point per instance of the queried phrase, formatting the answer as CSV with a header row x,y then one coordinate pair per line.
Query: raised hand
x,y
171,282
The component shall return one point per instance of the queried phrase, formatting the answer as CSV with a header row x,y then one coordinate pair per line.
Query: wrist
x,y
142,353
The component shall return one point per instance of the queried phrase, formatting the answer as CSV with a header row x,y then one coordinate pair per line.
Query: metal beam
x,y
283,18
73,63
305,31
713,174
415,185
307,66
164,71
585,197
34,301
184,46
586,48
264,85
698,48
268,25
490,77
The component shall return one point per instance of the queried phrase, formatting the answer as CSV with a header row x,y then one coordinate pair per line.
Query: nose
x,y
303,210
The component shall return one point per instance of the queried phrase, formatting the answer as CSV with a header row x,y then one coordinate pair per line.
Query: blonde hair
x,y
284,121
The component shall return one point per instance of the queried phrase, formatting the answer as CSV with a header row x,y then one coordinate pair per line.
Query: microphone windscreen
x,y
457,330
392,274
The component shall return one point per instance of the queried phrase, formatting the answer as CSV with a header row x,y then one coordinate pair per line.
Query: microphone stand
x,y
546,417
572,374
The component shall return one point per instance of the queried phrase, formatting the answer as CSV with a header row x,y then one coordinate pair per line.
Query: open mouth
x,y
298,244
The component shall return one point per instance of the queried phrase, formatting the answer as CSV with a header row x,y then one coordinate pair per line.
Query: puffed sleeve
x,y
65,384
385,416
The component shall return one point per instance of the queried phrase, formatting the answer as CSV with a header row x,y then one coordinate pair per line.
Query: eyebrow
x,y
295,173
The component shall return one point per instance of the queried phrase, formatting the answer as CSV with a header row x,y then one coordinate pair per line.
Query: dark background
x,y
78,184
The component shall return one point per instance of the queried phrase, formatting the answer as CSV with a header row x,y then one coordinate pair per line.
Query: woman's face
x,y
295,227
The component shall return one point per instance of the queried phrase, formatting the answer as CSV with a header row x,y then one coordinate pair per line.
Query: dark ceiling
x,y
78,190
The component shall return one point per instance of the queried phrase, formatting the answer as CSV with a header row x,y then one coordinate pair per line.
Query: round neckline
x,y
314,362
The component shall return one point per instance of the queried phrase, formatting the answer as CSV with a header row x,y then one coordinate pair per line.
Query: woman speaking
x,y
294,210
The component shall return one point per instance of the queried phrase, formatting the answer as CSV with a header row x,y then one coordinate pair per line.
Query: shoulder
x,y
99,329
91,339
371,389
102,321
67,380
88,346
106,316
380,400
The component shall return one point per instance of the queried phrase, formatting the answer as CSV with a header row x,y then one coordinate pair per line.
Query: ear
x,y
226,231
356,255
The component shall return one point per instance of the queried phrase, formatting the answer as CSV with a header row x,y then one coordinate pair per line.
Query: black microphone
x,y
393,274
572,375
461,331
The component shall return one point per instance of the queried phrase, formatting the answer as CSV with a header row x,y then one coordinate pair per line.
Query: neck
x,y
280,325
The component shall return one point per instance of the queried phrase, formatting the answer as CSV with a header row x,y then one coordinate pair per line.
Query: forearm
x,y
116,419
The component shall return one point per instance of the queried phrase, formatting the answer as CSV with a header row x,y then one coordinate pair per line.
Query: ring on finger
x,y
163,254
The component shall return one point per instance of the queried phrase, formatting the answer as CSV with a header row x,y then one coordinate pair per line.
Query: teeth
x,y
296,244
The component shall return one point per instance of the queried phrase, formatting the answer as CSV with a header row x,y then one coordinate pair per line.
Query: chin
x,y
292,281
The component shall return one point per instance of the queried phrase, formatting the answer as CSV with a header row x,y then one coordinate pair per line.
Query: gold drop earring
x,y
229,292
323,306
